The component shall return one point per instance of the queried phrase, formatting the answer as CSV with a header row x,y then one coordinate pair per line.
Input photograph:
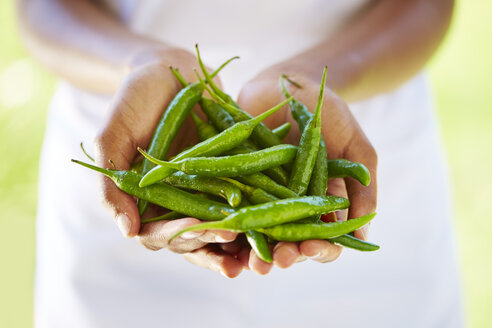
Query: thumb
x,y
116,149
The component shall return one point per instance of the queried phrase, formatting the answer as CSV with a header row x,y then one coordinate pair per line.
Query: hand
x,y
343,138
134,113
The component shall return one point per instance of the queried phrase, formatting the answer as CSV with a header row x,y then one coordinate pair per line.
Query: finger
x,y
117,149
214,259
320,250
336,187
118,140
285,254
243,257
232,248
255,100
258,265
363,199
155,236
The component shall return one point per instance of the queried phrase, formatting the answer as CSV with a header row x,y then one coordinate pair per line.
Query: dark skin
x,y
376,52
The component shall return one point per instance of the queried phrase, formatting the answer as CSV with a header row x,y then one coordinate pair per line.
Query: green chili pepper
x,y
274,213
342,168
257,241
226,140
319,179
355,243
168,126
260,180
164,195
231,166
259,245
204,130
308,231
168,216
308,148
283,130
213,186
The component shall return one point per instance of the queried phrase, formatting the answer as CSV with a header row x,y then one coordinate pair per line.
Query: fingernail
x,y
365,231
222,272
315,257
191,235
220,239
124,223
301,258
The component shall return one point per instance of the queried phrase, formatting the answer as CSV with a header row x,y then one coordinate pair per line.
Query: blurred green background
x,y
460,73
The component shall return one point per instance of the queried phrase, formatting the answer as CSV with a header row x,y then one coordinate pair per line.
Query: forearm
x,y
380,49
80,41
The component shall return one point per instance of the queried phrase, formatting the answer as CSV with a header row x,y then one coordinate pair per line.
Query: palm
x,y
343,138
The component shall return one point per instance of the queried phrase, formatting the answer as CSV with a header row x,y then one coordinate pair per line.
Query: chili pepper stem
x,y
182,80
107,172
286,93
317,111
178,76
158,161
269,112
217,71
86,154
208,77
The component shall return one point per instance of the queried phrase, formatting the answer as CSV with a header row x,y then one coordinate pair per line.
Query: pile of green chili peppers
x,y
240,176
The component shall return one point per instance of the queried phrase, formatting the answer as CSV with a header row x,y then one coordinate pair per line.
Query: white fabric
x,y
87,275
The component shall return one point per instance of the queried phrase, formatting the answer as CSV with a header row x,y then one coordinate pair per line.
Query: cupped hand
x,y
133,115
343,138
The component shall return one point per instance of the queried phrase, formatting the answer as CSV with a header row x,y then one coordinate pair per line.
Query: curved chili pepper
x,y
230,166
308,148
259,244
164,195
342,168
274,213
168,127
308,231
